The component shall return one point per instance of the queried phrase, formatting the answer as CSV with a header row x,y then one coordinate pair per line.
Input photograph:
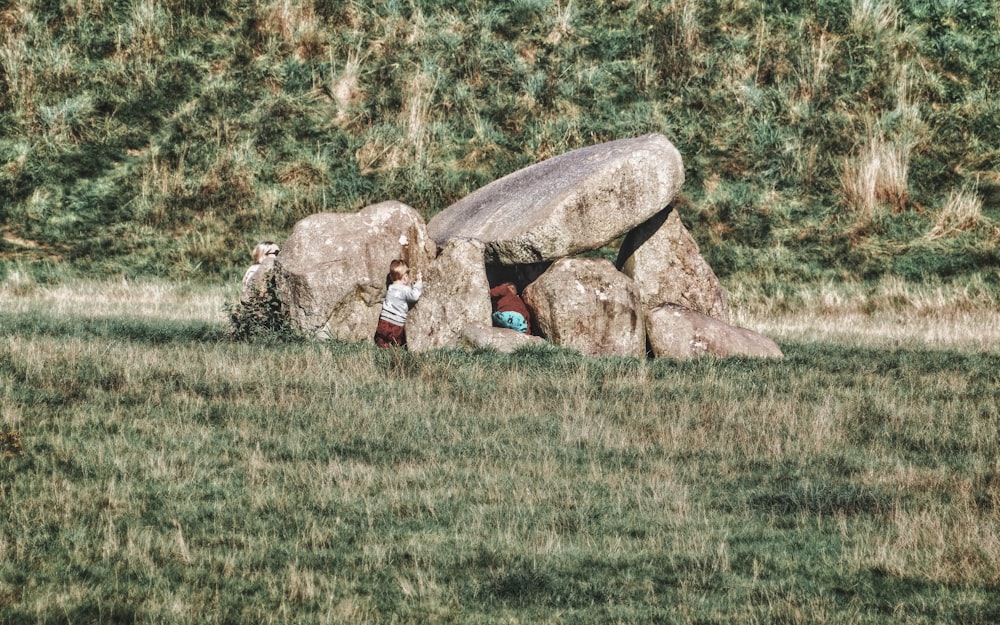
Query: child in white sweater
x,y
399,297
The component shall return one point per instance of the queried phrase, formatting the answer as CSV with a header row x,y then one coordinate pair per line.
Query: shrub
x,y
262,317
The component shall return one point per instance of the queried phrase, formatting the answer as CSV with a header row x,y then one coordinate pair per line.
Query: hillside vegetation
x,y
823,139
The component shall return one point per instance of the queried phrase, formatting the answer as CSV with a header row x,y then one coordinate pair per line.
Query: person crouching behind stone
x,y
399,297
262,251
509,310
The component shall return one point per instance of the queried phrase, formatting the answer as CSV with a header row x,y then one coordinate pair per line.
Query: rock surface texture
x,y
664,260
567,204
588,305
456,293
681,333
330,274
501,339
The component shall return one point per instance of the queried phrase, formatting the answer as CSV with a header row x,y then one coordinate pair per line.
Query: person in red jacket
x,y
509,310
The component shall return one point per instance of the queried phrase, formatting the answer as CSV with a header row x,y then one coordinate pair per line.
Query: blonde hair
x,y
265,248
397,271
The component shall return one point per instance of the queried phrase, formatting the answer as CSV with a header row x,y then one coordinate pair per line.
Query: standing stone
x,y
455,293
678,332
568,204
590,306
664,260
330,274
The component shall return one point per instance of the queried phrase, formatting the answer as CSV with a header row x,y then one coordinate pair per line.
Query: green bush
x,y
262,317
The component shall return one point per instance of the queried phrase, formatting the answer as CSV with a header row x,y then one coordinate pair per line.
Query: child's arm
x,y
414,292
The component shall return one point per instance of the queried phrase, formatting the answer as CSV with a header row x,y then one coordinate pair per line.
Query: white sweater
x,y
398,299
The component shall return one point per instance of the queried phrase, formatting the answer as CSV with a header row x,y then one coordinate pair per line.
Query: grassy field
x,y
841,177
154,472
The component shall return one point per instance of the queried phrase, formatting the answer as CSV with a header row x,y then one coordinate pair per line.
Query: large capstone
x,y
571,203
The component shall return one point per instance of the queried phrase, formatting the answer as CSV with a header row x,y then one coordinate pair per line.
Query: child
x,y
509,310
399,297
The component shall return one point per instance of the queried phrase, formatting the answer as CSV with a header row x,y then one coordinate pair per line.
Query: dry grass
x,y
15,59
345,86
416,115
873,16
147,30
297,24
961,212
814,74
891,314
876,178
687,21
562,23
149,299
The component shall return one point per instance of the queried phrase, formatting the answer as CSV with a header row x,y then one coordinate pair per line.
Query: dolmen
x,y
538,228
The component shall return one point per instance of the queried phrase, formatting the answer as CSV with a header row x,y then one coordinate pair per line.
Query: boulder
x,y
588,305
568,204
665,262
330,274
501,339
455,293
678,332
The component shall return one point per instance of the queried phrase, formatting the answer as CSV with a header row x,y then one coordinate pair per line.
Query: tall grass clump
x,y
876,179
874,16
961,212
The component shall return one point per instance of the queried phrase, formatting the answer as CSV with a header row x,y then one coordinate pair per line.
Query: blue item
x,y
512,320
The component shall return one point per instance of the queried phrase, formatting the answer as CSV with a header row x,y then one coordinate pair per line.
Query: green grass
x,y
170,475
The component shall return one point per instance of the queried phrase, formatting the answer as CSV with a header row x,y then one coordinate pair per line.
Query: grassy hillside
x,y
822,139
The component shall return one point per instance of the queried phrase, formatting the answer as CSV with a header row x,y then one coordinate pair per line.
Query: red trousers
x,y
389,334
